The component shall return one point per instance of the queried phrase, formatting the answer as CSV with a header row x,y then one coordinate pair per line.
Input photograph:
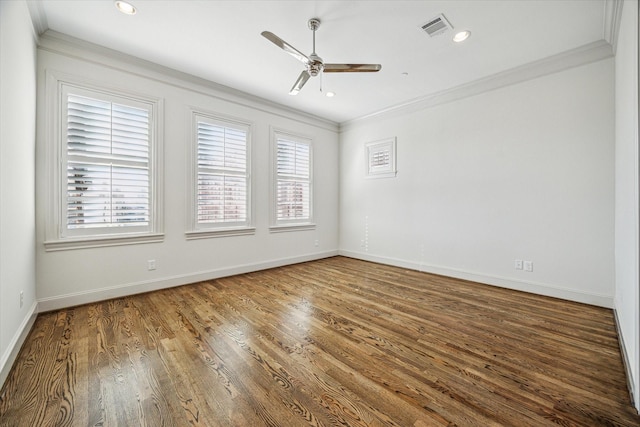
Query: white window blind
x,y
293,183
107,163
381,158
223,178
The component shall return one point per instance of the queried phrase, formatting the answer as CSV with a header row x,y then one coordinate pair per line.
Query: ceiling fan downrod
x,y
314,24
316,65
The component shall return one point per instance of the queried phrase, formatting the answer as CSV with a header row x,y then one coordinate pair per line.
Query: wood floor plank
x,y
334,342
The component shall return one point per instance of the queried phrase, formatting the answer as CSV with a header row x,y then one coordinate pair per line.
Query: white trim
x,y
636,175
589,53
636,198
611,25
52,41
127,289
387,171
219,232
293,224
55,237
293,227
38,17
202,231
11,353
626,363
99,241
551,290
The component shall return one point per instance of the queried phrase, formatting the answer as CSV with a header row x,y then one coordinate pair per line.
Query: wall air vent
x,y
436,26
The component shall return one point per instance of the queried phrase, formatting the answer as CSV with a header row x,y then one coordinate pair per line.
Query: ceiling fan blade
x,y
286,47
302,79
352,68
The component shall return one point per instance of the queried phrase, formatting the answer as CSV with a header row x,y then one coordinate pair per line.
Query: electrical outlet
x,y
316,243
21,298
151,264
518,264
528,266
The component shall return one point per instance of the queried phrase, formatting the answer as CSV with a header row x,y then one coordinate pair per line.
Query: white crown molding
x,y
582,55
55,42
611,27
61,43
586,54
38,17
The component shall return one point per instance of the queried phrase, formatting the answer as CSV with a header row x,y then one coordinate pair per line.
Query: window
x,y
381,158
104,188
107,164
221,189
293,181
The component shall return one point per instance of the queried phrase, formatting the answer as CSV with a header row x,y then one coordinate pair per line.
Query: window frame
x,y
57,235
279,225
386,170
195,229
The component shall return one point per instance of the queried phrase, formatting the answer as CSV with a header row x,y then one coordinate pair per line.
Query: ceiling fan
x,y
314,64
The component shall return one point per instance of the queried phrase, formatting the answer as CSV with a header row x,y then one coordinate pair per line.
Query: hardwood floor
x,y
335,342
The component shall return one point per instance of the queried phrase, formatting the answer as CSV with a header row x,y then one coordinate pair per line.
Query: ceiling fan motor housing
x,y
314,24
316,65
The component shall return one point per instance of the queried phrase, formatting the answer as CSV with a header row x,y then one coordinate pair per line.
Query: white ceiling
x,y
220,41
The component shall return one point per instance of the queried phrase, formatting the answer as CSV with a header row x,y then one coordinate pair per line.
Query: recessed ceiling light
x,y
125,7
330,94
461,36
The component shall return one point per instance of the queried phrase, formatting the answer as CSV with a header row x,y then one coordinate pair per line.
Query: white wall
x,y
522,172
76,276
627,295
17,174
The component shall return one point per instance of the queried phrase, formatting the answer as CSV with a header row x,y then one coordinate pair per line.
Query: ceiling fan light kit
x,y
314,65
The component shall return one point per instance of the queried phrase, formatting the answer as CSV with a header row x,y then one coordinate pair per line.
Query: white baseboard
x,y
625,360
78,298
519,285
15,345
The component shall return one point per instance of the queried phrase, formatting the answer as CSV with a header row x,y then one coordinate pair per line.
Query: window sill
x,y
102,241
374,175
291,227
221,232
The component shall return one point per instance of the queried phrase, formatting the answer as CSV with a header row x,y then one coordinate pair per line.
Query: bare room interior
x,y
289,213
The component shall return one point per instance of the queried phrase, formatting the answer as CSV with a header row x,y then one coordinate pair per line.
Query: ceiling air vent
x,y
436,26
